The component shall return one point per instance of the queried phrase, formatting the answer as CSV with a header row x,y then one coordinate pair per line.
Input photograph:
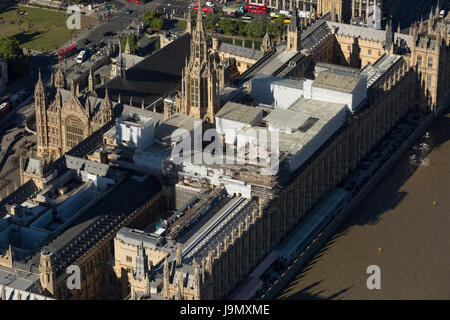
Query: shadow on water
x,y
384,197
387,195
310,293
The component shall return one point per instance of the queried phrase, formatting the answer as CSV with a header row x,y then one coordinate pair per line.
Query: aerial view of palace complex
x,y
195,164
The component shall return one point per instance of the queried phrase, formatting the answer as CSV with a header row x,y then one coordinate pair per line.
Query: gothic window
x,y
74,132
419,61
430,62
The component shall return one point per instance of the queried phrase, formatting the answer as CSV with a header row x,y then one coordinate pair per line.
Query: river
x,y
403,226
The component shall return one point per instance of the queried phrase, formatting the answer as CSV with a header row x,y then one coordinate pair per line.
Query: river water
x,y
403,226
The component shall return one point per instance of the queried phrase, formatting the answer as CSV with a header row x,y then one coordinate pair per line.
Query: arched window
x,y
74,132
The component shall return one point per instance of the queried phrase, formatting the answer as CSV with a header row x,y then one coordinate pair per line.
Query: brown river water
x,y
403,226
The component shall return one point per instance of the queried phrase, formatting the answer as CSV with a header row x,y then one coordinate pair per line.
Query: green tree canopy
x,y
277,28
148,16
157,23
210,21
10,49
256,28
229,26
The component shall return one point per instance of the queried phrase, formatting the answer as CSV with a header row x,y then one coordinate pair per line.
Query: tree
x,y
277,27
148,16
210,21
240,27
10,49
157,23
17,63
256,28
229,26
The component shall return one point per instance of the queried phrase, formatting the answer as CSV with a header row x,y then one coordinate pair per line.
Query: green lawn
x,y
40,29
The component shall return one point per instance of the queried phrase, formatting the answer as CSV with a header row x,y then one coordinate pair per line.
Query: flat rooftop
x,y
337,80
238,112
165,130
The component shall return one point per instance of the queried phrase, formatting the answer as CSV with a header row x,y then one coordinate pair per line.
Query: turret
x,y
60,80
189,22
46,271
178,256
90,81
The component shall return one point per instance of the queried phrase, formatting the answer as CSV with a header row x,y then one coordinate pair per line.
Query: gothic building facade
x,y
65,117
199,86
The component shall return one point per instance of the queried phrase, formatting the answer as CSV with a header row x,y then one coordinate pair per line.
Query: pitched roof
x,y
155,76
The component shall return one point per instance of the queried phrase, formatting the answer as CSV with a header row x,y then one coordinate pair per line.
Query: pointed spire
x,y
3,293
142,105
266,45
90,81
87,106
106,106
118,99
178,255
127,47
77,89
178,295
39,84
131,101
398,28
436,13
199,25
60,80
421,24
72,88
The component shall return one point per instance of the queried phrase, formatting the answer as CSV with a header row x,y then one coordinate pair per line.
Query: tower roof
x,y
39,84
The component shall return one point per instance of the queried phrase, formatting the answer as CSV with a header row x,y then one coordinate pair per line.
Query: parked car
x,y
81,56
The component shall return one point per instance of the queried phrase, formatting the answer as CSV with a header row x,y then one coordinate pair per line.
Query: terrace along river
x,y
403,226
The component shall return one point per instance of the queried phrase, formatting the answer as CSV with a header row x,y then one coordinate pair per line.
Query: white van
x,y
81,56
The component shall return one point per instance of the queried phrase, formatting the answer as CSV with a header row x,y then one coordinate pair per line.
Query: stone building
x,y
211,264
199,87
64,118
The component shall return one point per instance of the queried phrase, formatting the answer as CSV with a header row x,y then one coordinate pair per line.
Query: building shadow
x,y
387,194
310,292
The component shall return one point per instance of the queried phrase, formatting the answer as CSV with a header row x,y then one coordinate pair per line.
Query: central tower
x,y
199,97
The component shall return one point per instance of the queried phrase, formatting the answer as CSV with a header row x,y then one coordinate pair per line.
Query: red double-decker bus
x,y
205,9
256,8
70,50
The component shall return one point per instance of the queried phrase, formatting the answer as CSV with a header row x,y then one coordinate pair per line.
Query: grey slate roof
x,y
241,51
157,75
96,168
